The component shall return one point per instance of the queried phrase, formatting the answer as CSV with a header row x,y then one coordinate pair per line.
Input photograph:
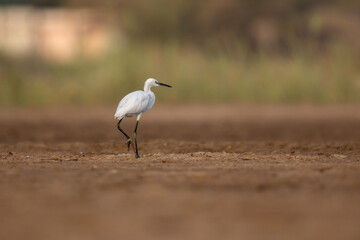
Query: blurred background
x,y
62,52
260,139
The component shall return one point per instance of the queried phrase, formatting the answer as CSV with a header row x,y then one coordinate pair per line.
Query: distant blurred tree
x,y
260,24
45,3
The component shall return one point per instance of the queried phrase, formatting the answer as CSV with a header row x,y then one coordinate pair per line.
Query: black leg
x,y
128,141
118,126
136,148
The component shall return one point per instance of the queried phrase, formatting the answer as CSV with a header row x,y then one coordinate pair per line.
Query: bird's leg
x,y
128,141
136,148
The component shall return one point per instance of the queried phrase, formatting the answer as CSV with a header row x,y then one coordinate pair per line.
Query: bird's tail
x,y
116,116
119,114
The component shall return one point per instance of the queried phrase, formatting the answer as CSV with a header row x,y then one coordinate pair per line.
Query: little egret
x,y
135,104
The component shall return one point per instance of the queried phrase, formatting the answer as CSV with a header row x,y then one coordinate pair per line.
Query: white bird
x,y
135,104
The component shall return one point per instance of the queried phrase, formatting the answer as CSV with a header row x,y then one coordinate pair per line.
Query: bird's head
x,y
152,82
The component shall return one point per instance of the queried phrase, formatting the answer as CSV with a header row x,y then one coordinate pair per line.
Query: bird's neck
x,y
147,88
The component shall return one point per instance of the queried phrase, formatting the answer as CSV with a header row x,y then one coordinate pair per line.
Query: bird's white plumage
x,y
135,103
138,102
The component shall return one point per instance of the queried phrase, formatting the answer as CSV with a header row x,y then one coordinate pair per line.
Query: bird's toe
x,y
129,143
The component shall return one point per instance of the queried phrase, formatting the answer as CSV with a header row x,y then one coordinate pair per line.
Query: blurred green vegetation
x,y
197,76
277,51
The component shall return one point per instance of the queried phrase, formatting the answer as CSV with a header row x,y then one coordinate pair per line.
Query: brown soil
x,y
208,172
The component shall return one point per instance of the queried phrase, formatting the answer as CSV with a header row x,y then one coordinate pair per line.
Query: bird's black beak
x,y
163,84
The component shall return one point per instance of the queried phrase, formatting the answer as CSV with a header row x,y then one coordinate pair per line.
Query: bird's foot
x,y
128,143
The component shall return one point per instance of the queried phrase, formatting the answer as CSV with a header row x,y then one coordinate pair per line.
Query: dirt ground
x,y
207,172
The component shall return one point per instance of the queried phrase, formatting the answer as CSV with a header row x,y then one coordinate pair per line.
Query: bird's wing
x,y
132,104
151,102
